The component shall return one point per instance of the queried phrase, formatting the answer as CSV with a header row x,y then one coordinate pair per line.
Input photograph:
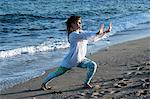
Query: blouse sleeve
x,y
85,35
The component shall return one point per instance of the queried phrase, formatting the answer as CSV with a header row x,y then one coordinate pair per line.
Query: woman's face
x,y
76,25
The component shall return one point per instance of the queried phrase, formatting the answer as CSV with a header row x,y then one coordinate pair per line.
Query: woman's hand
x,y
101,28
102,32
110,27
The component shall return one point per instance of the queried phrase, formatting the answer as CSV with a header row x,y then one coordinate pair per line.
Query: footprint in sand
x,y
114,91
139,68
130,73
122,83
145,80
141,92
119,85
146,85
147,62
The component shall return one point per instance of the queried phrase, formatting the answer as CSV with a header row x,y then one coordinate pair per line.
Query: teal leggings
x,y
86,63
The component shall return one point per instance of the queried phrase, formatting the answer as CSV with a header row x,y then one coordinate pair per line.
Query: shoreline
x,y
115,66
41,61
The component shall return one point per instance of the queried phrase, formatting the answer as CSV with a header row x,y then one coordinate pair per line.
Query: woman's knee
x,y
93,65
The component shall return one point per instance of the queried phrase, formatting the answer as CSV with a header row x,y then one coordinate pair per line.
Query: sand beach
x,y
123,73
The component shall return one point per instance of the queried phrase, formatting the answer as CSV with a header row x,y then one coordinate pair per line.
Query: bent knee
x,y
93,65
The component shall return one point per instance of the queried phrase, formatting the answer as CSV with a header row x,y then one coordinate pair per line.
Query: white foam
x,y
46,46
118,25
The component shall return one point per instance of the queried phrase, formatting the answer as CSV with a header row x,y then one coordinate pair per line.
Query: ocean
x,y
33,35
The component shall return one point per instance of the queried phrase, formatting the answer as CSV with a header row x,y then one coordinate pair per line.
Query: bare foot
x,y
43,87
87,86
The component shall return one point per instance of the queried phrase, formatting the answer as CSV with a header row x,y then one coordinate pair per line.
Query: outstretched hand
x,y
110,27
101,30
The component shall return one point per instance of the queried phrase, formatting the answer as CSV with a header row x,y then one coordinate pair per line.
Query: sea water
x,y
33,33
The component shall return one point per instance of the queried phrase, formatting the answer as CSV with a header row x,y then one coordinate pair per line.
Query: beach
x,y
33,42
123,73
33,36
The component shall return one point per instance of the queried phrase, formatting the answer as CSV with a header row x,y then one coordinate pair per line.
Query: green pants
x,y
87,63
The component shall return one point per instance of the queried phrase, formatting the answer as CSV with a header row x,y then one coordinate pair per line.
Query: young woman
x,y
78,40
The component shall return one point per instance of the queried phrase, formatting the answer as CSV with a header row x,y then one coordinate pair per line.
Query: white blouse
x,y
78,48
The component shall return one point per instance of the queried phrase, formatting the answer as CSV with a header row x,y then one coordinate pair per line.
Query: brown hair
x,y
71,20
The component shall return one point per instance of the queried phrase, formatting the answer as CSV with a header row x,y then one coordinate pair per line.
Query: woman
x,y
78,40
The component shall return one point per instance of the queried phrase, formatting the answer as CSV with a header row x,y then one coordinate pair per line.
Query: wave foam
x,y
46,46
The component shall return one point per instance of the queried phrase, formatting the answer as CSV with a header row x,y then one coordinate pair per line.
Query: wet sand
x,y
123,73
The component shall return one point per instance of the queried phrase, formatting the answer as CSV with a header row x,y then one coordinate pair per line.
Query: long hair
x,y
71,20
